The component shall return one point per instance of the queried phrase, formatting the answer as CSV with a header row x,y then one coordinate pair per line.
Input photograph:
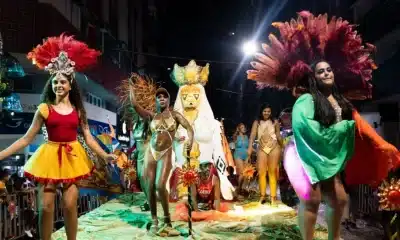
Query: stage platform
x,y
122,219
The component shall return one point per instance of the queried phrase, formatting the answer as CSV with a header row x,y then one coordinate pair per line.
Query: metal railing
x,y
13,224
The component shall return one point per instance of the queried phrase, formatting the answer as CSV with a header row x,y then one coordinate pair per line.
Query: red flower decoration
x,y
188,176
389,195
394,197
130,173
248,171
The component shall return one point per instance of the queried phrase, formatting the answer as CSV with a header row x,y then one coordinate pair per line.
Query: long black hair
x,y
264,106
324,112
48,96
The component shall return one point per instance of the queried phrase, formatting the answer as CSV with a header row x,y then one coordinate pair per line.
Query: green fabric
x,y
122,219
323,151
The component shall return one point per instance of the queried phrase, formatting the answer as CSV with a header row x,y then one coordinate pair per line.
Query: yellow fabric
x,y
44,110
44,164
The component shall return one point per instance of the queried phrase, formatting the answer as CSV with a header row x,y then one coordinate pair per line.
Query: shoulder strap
x,y
44,110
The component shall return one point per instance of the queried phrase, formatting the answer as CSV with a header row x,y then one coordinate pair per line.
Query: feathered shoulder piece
x,y
287,58
63,55
144,90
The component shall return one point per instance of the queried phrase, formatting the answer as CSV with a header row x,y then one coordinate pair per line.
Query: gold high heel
x,y
167,230
274,201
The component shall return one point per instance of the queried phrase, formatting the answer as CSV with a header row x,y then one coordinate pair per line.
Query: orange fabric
x,y
373,157
227,151
181,214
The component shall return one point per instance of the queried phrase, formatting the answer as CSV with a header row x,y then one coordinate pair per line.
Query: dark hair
x,y
264,106
48,96
324,112
146,127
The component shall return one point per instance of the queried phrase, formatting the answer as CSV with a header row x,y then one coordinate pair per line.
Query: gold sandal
x,y
274,201
167,230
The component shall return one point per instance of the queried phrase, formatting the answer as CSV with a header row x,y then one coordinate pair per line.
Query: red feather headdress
x,y
63,55
287,58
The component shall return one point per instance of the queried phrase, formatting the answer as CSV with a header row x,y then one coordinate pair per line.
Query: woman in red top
x,y
62,160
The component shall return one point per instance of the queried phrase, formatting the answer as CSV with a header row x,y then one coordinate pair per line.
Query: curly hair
x,y
237,131
48,97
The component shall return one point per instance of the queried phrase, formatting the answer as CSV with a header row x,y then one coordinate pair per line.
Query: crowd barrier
x,y
15,223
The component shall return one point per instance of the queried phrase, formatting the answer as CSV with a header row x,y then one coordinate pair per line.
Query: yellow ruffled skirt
x,y
56,162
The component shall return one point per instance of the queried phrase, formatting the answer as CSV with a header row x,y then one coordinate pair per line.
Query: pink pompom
x,y
296,173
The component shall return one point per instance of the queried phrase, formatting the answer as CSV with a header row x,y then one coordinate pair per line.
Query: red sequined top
x,y
62,128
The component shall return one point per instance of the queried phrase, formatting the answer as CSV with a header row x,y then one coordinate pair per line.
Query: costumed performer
x,y
158,162
145,91
62,159
330,137
266,140
208,145
206,197
141,136
240,155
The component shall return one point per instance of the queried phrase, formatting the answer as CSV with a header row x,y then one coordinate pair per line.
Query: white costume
x,y
207,130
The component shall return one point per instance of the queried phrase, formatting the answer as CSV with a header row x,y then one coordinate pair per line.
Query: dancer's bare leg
x,y
239,171
262,168
46,200
164,167
273,164
336,198
308,212
70,210
142,148
150,167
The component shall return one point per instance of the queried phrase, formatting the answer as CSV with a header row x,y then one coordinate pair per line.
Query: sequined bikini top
x,y
163,124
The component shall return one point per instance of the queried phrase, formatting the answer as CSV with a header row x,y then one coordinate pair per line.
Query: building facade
x,y
117,28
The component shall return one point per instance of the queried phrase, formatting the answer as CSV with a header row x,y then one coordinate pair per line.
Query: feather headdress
x,y
144,89
63,55
287,59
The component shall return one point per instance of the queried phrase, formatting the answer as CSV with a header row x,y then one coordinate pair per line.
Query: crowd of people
x,y
22,204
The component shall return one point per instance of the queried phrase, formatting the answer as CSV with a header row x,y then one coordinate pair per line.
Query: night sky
x,y
203,30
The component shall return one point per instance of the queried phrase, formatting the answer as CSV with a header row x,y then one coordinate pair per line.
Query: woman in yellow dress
x,y
62,159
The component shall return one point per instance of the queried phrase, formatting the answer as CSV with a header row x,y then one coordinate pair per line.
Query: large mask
x,y
190,96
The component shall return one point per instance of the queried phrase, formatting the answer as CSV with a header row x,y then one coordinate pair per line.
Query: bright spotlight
x,y
249,48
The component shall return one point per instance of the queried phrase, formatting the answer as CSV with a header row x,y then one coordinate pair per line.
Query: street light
x,y
249,48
